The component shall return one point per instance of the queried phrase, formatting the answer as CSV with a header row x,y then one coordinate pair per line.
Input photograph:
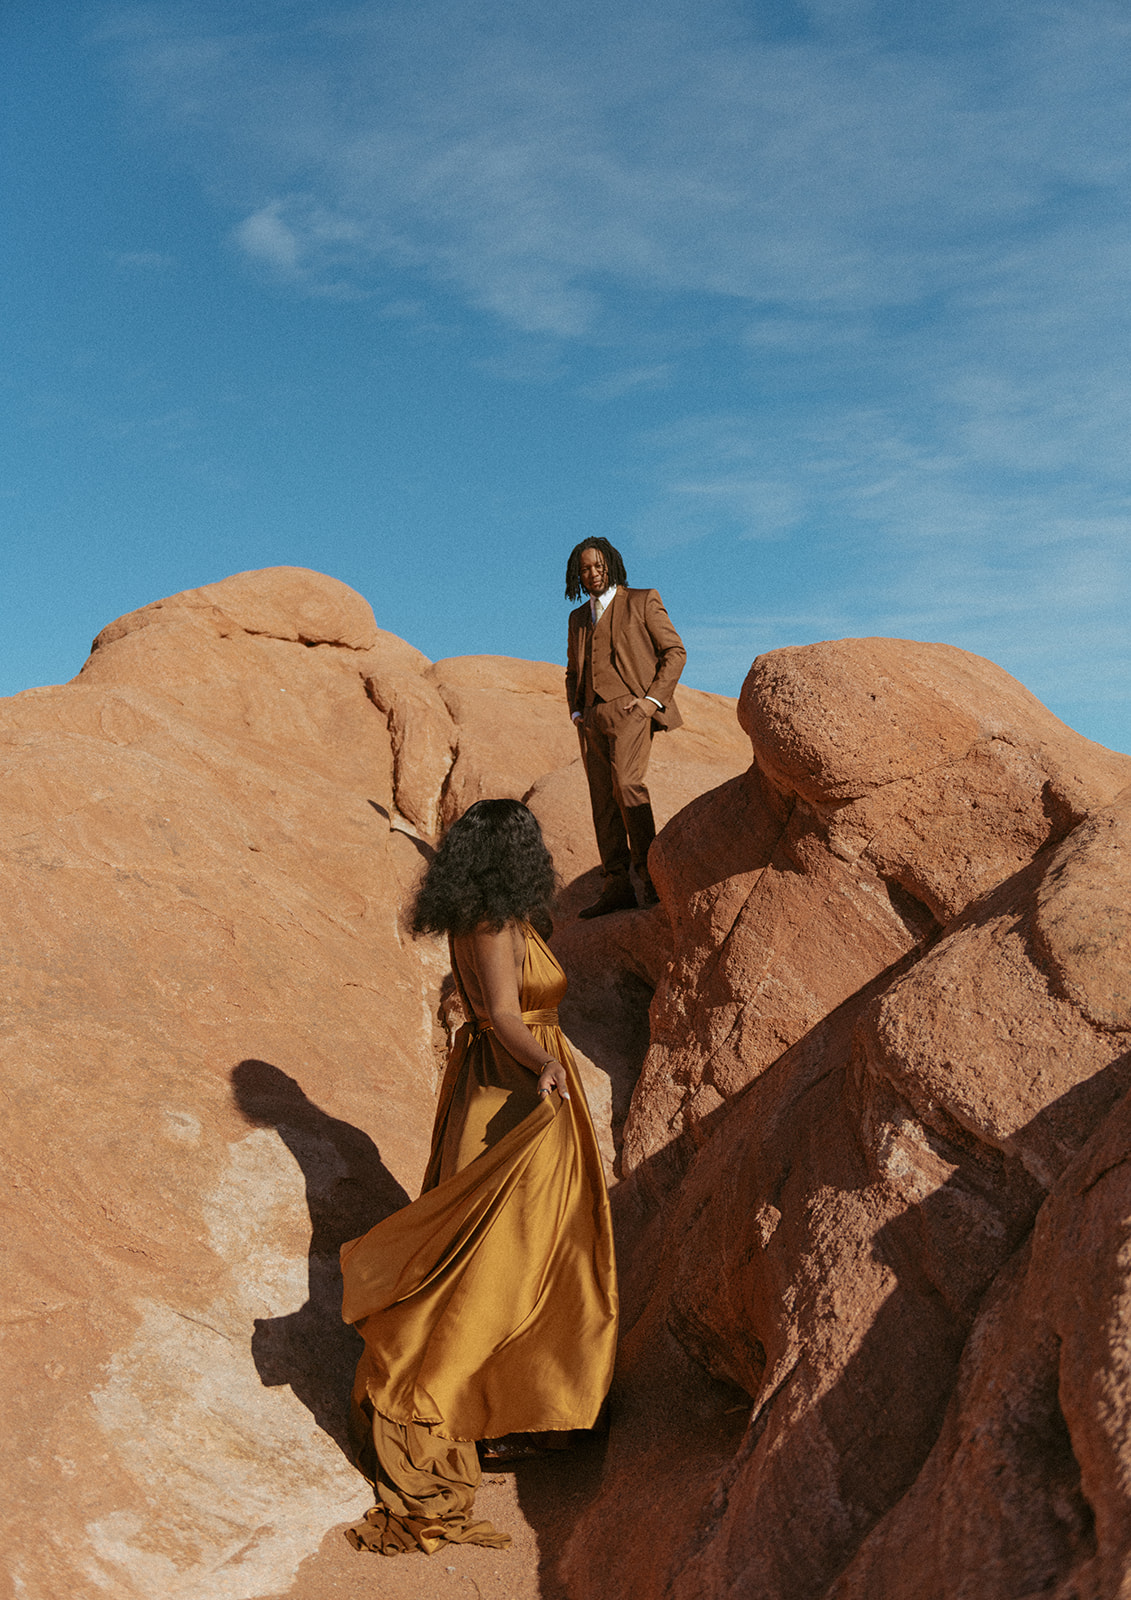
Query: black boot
x,y
617,895
641,827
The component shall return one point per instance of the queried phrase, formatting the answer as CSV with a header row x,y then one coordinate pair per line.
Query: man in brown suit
x,y
624,662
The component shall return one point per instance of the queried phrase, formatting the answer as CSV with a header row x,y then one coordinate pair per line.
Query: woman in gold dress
x,y
488,1305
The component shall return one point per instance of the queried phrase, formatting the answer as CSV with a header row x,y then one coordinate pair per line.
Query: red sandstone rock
x,y
220,1054
875,1338
828,1254
893,784
513,726
1026,1489
836,721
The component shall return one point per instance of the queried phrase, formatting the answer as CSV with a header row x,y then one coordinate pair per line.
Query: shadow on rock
x,y
850,1434
554,1490
348,1190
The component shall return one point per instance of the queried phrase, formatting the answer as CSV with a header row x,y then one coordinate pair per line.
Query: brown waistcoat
x,y
602,680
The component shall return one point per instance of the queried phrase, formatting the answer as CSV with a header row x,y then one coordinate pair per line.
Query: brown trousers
x,y
616,741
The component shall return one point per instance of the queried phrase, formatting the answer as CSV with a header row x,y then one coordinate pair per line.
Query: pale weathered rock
x,y
424,741
220,1052
196,876
513,726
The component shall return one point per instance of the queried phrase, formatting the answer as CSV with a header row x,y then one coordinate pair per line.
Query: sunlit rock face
x,y
880,1302
893,784
220,1050
869,1062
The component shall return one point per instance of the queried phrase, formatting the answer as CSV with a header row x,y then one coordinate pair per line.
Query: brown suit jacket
x,y
647,651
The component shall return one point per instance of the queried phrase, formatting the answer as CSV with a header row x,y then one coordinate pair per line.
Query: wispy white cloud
x,y
631,380
265,236
665,145
914,218
907,531
299,239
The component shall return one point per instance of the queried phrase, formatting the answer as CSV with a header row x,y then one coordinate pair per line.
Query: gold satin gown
x,y
489,1305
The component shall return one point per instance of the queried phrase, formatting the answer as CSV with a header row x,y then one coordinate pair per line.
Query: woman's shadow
x,y
348,1189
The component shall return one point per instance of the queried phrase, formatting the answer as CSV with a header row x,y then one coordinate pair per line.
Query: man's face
x,y
594,577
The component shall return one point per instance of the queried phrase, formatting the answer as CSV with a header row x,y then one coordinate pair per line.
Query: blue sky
x,y
819,309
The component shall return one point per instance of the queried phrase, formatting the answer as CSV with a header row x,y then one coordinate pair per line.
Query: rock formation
x,y
868,1063
220,1053
884,1119
893,784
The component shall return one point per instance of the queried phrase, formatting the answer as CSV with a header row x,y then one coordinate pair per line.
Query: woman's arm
x,y
495,956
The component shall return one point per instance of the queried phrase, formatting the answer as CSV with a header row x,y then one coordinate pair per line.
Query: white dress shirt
x,y
600,603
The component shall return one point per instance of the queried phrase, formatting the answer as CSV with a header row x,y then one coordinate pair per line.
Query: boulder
x,y
893,784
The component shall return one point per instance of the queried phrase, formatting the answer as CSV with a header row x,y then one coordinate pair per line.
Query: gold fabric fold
x,y
426,1489
488,1306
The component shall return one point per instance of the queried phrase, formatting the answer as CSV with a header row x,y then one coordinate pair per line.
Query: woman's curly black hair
x,y
614,566
492,868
